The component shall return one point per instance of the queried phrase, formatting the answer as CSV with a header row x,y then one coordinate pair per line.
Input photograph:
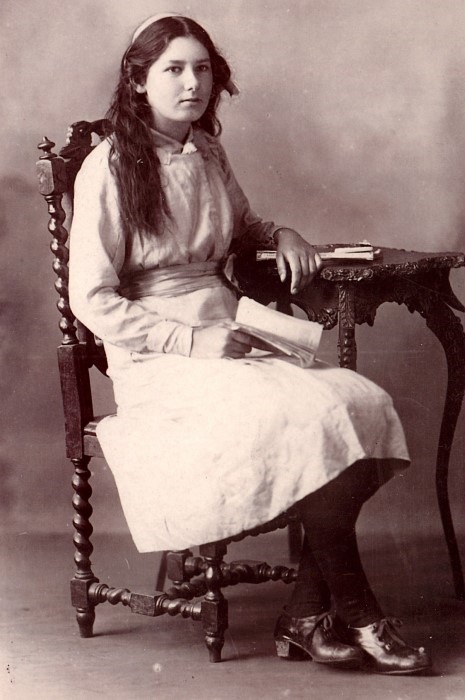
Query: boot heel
x,y
286,650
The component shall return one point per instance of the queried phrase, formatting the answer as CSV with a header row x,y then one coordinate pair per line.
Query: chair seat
x,y
92,446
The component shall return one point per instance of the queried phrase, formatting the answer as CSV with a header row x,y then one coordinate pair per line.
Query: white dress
x,y
202,449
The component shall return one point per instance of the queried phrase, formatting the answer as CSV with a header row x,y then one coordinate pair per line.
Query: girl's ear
x,y
141,89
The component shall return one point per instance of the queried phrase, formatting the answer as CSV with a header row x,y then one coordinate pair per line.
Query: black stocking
x,y
330,557
310,595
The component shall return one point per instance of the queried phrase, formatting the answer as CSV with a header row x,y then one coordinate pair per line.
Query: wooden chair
x,y
197,582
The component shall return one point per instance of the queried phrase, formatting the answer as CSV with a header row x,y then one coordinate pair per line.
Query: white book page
x,y
295,334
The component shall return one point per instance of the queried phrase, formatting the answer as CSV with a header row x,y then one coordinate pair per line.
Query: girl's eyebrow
x,y
182,63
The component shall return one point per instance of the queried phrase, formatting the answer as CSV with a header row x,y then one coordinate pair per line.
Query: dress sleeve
x,y
97,254
250,231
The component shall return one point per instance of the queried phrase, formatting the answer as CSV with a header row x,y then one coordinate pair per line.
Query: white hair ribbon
x,y
151,20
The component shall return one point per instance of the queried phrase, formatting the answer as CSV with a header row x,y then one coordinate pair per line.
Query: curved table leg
x,y
448,328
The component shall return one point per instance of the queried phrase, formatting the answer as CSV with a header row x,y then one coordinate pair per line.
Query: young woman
x,y
211,437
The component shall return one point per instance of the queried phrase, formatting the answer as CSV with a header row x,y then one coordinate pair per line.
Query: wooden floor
x,y
133,657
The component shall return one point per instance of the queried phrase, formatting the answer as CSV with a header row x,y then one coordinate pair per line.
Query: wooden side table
x,y
350,293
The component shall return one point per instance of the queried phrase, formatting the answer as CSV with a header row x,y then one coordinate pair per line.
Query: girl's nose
x,y
191,80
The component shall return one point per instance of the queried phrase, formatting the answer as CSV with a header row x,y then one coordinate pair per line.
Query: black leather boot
x,y
385,651
314,637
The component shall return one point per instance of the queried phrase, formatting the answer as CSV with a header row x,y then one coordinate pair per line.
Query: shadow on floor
x,y
135,657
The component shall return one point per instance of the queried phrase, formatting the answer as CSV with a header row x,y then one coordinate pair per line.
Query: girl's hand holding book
x,y
302,259
221,341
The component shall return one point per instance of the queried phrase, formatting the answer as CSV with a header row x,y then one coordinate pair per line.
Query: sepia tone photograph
x,y
233,349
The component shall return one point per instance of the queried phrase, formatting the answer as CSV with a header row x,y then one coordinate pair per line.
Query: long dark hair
x,y
133,157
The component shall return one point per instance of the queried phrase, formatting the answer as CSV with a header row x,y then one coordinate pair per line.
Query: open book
x,y
334,251
278,332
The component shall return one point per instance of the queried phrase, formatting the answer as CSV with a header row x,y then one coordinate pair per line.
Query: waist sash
x,y
174,280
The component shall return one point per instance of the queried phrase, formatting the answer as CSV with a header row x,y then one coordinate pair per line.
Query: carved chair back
x,y
79,349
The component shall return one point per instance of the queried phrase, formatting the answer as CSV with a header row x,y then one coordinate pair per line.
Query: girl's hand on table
x,y
302,259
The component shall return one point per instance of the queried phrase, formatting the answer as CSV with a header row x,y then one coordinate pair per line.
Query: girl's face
x,y
178,86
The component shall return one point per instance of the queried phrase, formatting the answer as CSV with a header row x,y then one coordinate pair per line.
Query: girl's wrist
x,y
277,235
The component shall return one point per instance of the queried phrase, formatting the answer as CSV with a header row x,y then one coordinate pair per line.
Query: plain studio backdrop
x,y
350,124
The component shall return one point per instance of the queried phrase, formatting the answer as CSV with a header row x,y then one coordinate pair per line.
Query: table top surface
x,y
393,261
429,270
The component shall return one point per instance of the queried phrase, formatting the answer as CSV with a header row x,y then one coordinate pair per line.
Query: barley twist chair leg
x,y
84,576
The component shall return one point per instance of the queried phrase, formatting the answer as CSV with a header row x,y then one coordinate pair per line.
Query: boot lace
x,y
386,633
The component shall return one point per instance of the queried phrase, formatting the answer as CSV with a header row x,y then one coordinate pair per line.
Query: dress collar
x,y
167,147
